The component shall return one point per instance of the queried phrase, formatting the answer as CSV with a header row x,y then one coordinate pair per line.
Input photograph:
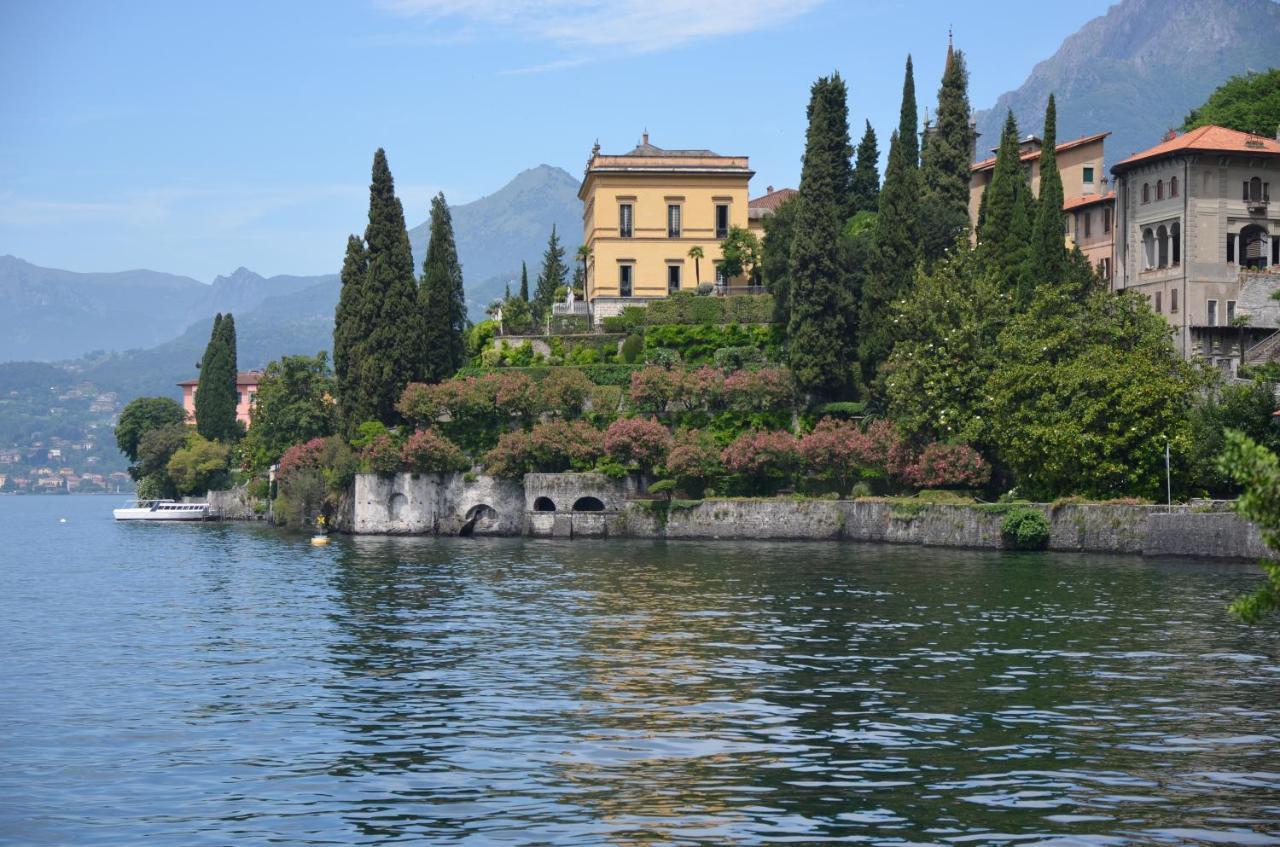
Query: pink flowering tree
x,y
564,392
838,451
559,445
653,388
693,461
640,443
762,460
381,454
947,466
426,451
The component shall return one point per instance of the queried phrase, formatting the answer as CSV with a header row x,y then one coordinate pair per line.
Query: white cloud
x,y
594,26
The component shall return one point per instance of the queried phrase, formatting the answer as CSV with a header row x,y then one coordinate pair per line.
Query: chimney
x,y
1170,135
768,189
644,139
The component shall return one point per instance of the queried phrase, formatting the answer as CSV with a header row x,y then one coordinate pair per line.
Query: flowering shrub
x,y
762,390
703,388
381,454
426,451
839,451
762,454
512,457
549,447
564,391
642,442
300,457
694,459
653,388
947,466
886,451
311,476
472,411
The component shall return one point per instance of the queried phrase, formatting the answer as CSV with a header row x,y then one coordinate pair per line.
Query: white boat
x,y
161,510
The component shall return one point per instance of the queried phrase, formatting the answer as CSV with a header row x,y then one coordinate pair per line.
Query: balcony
x,y
1257,207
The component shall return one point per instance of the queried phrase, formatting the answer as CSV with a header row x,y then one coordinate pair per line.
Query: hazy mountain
x,y
496,232
1139,69
48,314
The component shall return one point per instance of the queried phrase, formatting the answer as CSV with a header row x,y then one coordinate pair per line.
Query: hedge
x,y
685,308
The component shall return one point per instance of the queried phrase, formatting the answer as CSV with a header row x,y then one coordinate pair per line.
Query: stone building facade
x,y
1200,239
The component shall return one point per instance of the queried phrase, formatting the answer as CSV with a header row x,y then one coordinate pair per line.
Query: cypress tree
x,y
552,276
775,262
443,303
892,264
1007,217
1048,250
350,327
382,348
228,330
944,168
524,282
215,400
909,119
866,174
820,334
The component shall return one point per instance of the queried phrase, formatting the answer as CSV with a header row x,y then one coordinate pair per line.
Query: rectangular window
x,y
1275,249
1173,301
721,281
673,278
1158,309
1231,311
1211,313
625,220
624,280
1231,247
722,220
673,220
239,398
1088,224
1104,268
1245,195
1106,219
1088,175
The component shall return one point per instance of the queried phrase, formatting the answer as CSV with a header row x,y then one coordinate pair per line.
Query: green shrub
x,y
737,358
842,410
631,349
663,486
570,324
630,319
662,356
685,307
1025,528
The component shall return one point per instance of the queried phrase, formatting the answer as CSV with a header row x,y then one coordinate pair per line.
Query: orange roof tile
x,y
772,200
1214,139
1087,200
988,164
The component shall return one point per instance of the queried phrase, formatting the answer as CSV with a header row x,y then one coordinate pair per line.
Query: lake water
x,y
230,684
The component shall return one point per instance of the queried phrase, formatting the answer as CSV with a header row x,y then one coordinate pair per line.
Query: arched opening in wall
x,y
1175,243
1159,189
1253,189
544,504
397,507
1253,247
1162,241
588,504
1148,249
1173,187
481,516
1146,192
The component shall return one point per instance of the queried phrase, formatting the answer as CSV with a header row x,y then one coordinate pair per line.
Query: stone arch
x,y
544,504
481,516
1148,249
1162,240
588,504
1253,246
1175,243
398,507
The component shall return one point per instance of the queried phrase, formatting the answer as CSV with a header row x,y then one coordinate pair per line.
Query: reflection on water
x,y
230,684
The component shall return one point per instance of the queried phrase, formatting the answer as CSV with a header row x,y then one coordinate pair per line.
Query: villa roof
x,y
644,148
1087,200
242,378
1208,139
767,204
1031,155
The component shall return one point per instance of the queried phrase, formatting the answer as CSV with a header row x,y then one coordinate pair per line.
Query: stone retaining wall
x,y
550,506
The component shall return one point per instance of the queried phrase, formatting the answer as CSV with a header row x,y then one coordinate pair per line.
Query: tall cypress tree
x,y
820,332
381,343
944,167
866,174
893,259
524,282
215,399
552,276
1048,250
228,330
909,119
443,303
1008,214
351,323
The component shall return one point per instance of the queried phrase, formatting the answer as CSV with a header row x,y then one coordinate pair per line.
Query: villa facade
x,y
246,388
1201,240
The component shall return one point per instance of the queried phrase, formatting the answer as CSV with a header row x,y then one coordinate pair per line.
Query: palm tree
x,y
584,253
695,253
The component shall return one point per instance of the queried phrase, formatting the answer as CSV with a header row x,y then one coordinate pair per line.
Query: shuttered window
x,y
673,220
625,220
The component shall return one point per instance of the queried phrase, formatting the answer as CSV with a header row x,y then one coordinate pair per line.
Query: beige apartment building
x,y
1200,239
1087,200
642,213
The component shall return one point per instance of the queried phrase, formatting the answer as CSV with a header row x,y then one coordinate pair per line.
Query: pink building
x,y
246,388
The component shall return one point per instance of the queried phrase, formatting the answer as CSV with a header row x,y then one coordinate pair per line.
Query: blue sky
x,y
194,138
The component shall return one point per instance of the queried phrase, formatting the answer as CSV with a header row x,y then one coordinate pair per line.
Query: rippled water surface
x,y
230,684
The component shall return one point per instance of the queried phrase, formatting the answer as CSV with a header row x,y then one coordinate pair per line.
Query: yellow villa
x,y
644,211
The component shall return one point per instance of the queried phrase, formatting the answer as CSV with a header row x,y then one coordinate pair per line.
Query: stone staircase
x,y
1266,350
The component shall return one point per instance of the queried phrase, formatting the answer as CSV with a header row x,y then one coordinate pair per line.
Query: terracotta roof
x,y
771,201
1215,139
242,378
988,164
1087,200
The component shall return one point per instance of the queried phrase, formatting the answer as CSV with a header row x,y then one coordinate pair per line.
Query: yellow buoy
x,y
319,540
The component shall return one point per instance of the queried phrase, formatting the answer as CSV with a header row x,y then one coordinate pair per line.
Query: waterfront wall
x,y
595,506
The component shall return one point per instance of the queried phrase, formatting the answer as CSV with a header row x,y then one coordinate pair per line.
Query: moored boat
x,y
162,510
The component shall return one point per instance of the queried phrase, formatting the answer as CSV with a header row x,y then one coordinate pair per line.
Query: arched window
x,y
1173,187
1148,250
1146,192
544,504
1160,189
1175,242
1255,189
1253,247
1162,239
